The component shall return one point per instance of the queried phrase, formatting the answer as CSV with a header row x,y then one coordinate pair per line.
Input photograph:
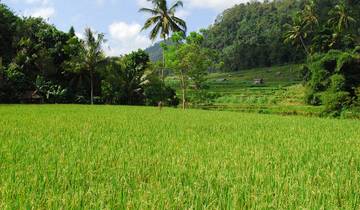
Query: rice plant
x,y
108,157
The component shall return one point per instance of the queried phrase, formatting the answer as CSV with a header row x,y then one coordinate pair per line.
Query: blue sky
x,y
118,19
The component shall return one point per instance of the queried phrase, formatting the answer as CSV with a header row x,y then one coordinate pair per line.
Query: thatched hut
x,y
258,81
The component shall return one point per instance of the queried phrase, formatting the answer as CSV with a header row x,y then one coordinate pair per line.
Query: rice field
x,y
108,157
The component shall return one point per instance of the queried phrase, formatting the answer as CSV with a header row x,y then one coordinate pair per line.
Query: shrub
x,y
312,97
334,77
305,74
357,97
337,83
203,97
336,102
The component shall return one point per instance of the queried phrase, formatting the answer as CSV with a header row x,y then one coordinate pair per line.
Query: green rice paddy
x,y
108,157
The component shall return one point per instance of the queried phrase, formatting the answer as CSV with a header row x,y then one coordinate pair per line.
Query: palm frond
x,y
151,21
155,31
180,22
175,6
149,11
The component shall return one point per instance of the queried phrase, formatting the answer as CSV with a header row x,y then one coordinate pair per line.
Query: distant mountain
x,y
155,51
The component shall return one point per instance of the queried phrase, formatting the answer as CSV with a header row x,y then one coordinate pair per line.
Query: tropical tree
x,y
189,61
88,58
93,56
163,21
297,32
341,18
310,16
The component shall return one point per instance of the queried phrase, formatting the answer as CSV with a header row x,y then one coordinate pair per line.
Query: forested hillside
x,y
251,35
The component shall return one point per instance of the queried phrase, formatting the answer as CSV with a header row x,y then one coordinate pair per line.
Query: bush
x,y
357,97
336,102
312,97
333,80
337,83
305,74
156,91
203,97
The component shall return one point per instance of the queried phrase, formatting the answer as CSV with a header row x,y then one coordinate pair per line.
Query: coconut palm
x,y
92,56
340,22
163,21
297,32
341,18
310,16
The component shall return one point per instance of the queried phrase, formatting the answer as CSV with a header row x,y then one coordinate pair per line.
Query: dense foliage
x,y
323,25
189,61
333,79
39,63
251,35
328,31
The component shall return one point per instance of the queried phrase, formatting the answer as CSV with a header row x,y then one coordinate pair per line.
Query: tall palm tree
x,y
310,16
92,56
163,21
341,18
297,32
340,21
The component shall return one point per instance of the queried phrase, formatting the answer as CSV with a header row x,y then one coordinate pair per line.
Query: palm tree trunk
x,y
164,63
162,74
303,44
91,87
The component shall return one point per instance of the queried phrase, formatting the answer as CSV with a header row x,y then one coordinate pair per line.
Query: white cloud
x,y
40,8
33,2
44,12
42,2
125,37
182,13
143,3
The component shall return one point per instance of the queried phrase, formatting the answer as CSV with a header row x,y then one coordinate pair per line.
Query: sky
x,y
119,20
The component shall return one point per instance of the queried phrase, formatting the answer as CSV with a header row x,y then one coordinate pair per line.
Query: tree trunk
x,y
303,44
184,99
164,63
183,85
162,74
91,87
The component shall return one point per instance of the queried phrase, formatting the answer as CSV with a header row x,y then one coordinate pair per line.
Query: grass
x,y
274,77
282,92
92,157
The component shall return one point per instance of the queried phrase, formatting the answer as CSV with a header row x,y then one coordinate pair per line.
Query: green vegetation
x,y
40,64
333,79
163,21
189,62
328,32
251,35
280,93
133,157
122,157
